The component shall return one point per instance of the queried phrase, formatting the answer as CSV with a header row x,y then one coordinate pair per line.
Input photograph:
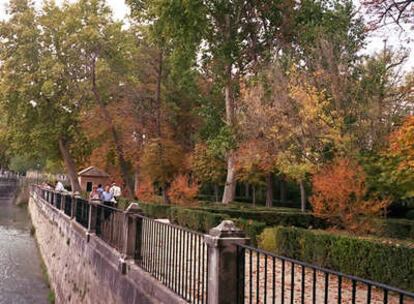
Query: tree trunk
x,y
158,93
246,191
269,190
136,182
254,195
230,186
302,196
165,198
115,137
70,166
283,192
216,193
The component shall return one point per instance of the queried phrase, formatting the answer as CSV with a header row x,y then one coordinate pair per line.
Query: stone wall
x,y
83,269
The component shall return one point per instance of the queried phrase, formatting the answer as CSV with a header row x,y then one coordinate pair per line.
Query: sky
x,y
375,43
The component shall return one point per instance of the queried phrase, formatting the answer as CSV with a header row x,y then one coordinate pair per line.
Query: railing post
x,y
75,197
93,213
222,262
130,230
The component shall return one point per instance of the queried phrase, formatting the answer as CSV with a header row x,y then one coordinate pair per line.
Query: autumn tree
x,y
233,38
161,162
340,196
209,167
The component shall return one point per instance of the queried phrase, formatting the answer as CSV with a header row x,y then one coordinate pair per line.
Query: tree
x,y
161,162
42,84
183,190
340,196
285,119
251,168
234,38
208,167
384,10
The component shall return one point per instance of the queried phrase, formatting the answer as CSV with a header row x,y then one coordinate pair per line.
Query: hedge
x,y
155,210
274,218
195,219
389,264
200,220
395,228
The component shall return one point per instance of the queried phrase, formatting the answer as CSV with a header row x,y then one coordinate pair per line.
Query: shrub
x,y
274,218
195,219
155,210
339,195
395,228
410,215
389,264
145,191
183,191
252,228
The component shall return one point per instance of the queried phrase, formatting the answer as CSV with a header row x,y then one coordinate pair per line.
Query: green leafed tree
x,y
42,83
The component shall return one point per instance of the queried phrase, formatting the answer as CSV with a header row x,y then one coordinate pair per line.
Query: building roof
x,y
93,171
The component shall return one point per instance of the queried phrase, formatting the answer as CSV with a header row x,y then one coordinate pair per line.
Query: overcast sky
x,y
395,38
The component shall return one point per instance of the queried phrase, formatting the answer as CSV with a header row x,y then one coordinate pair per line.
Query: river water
x,y
21,278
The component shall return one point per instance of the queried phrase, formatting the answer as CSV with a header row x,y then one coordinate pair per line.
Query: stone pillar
x,y
222,262
93,214
130,230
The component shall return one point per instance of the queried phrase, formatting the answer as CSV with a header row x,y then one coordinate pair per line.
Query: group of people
x,y
108,196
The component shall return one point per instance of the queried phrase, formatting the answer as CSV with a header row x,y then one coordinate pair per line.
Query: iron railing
x,y
175,256
178,258
67,204
267,278
57,199
110,225
82,211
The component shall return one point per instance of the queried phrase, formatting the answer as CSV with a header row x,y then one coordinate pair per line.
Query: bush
x,y
339,195
395,228
252,228
183,191
155,210
145,191
273,218
389,264
195,219
410,215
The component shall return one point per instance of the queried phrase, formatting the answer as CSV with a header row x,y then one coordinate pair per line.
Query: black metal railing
x,y
67,204
267,278
175,256
110,225
57,198
82,212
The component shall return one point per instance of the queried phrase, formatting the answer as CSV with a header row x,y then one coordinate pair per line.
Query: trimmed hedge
x,y
395,228
155,210
251,228
195,219
410,215
274,218
200,220
389,264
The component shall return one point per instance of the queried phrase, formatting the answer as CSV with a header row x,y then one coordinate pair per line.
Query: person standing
x,y
116,191
59,186
100,190
108,200
94,195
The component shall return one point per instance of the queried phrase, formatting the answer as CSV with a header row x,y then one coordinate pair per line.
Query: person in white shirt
x,y
59,186
116,191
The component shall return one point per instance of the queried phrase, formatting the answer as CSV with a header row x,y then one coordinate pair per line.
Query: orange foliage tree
x,y
340,196
183,191
145,191
402,144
